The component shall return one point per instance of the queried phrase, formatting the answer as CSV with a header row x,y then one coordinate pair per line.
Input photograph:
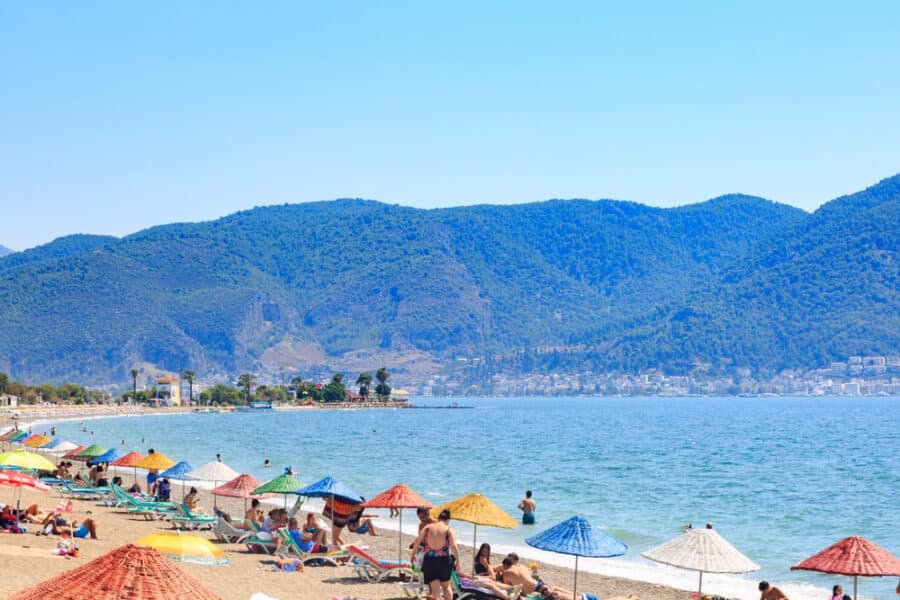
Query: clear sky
x,y
120,115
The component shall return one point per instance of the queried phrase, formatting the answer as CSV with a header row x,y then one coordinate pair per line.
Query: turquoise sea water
x,y
781,478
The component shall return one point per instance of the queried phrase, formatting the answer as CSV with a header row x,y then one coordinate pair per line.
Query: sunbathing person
x,y
192,500
308,542
253,515
57,525
516,574
361,523
496,588
312,527
483,563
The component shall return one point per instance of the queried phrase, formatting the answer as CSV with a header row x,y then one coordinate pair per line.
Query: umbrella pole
x,y
700,586
575,586
400,538
474,539
855,579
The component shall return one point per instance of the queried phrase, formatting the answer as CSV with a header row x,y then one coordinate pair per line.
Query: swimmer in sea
x,y
527,505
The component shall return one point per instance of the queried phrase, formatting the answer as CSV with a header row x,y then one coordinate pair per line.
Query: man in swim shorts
x,y
527,505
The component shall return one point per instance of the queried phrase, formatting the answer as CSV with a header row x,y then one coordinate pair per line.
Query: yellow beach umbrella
x,y
26,460
478,510
185,548
157,461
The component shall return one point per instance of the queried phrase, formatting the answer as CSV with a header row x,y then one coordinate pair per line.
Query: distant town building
x,y
169,388
9,401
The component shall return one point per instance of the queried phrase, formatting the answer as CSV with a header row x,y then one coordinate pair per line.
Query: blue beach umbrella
x,y
576,536
179,471
107,457
51,444
329,487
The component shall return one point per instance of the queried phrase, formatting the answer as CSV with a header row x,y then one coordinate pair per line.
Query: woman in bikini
x,y
440,552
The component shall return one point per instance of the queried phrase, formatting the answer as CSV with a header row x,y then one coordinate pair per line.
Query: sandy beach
x,y
27,560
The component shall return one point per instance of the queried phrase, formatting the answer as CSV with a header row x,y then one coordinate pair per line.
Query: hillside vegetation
x,y
735,281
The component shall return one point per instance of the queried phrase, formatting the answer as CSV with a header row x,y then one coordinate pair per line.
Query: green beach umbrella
x,y
283,484
92,452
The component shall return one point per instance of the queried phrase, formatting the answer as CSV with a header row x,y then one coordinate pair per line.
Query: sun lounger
x,y
185,519
468,589
73,492
149,510
371,569
228,533
259,539
289,546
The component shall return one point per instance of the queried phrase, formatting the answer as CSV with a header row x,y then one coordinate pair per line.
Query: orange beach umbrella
x,y
400,496
129,460
127,573
854,556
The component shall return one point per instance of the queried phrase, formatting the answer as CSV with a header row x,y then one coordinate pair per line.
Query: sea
x,y
779,477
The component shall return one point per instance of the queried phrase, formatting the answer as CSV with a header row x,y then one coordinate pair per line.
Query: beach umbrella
x,y
182,547
36,441
92,451
215,471
241,486
702,550
63,447
400,496
74,452
155,462
180,471
283,484
19,480
26,460
18,437
108,457
127,573
576,536
53,443
854,556
329,487
8,433
477,510
129,460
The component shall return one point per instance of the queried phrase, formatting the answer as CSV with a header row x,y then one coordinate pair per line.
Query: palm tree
x,y
134,374
364,381
189,376
382,389
247,381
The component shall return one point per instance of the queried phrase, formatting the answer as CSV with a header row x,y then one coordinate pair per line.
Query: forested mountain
x,y
4,251
735,281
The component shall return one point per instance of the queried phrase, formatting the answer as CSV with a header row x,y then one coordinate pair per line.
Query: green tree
x,y
189,377
335,391
134,375
4,382
247,381
383,390
364,381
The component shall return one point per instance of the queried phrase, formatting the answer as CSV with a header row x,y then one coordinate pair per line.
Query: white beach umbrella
x,y
215,471
702,550
62,448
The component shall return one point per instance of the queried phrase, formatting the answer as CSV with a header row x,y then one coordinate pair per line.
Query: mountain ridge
x,y
631,286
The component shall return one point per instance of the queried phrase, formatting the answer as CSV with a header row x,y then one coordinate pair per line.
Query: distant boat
x,y
256,405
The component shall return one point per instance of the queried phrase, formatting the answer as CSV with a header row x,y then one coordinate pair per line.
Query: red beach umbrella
x,y
127,573
400,496
854,556
19,480
240,487
73,454
129,460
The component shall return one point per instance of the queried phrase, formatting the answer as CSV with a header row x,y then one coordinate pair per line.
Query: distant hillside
x,y
735,281
4,251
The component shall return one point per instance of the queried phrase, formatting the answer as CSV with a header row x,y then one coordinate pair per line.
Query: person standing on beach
x,y
440,551
770,592
527,505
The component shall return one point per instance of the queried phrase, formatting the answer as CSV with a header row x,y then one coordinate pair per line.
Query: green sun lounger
x,y
289,546
185,519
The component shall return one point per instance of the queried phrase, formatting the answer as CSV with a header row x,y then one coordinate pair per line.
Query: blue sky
x,y
117,116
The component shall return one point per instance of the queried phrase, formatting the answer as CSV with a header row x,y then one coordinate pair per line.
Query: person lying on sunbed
x,y
479,582
253,515
57,525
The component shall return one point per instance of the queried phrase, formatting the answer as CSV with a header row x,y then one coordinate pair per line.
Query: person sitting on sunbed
x,y
312,525
163,490
253,515
361,523
192,501
308,542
